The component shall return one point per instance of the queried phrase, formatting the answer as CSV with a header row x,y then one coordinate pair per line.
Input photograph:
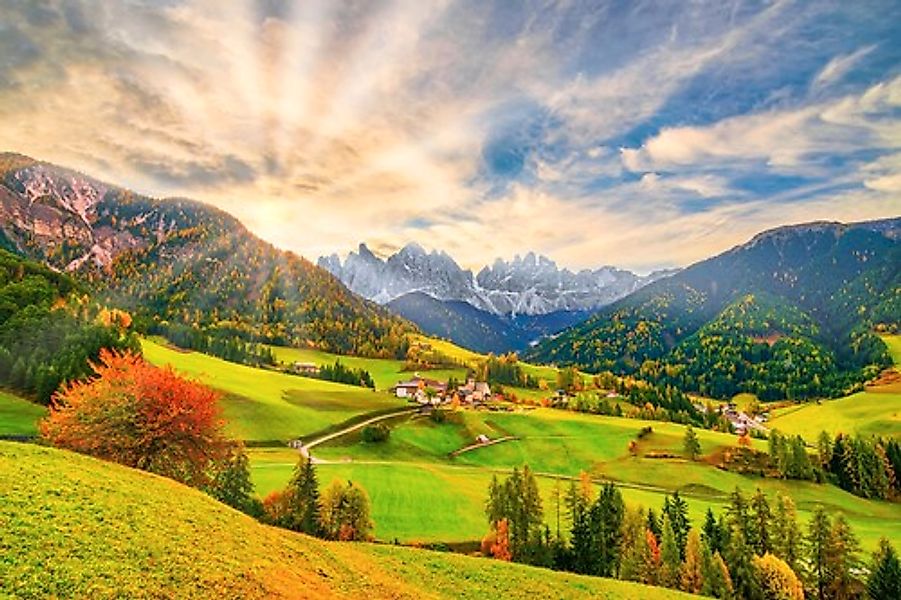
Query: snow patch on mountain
x,y
527,285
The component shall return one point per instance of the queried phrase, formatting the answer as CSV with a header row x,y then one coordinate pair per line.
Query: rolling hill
x,y
787,315
74,526
180,265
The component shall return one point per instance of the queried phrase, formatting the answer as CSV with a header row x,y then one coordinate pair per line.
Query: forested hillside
x,y
48,331
179,264
790,314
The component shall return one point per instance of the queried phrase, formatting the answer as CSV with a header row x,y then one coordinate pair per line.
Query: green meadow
x,y
84,528
19,416
420,494
268,406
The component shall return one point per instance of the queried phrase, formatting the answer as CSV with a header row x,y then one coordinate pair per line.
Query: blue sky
x,y
641,134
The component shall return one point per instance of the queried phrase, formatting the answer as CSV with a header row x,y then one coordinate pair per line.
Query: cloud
x,y
595,133
839,66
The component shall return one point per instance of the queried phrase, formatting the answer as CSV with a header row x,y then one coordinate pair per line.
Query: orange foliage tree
x,y
142,416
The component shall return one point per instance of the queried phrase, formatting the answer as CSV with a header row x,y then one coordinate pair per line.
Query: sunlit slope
x,y
73,526
876,411
421,494
268,406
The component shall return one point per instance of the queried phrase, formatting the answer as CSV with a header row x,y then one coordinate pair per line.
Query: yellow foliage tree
x,y
777,579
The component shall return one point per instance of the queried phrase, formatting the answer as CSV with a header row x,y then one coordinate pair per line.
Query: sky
x,y
633,133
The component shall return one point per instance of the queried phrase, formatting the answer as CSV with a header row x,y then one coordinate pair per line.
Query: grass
x,y
73,526
19,416
385,372
420,494
875,411
268,406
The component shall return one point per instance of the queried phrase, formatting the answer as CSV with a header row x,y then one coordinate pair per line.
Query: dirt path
x,y
482,445
305,449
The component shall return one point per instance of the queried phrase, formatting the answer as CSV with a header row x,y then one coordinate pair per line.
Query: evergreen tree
x,y
716,581
231,483
787,536
676,509
884,582
633,545
739,556
304,506
842,561
818,541
691,576
761,519
711,533
671,562
654,524
691,444
607,520
824,450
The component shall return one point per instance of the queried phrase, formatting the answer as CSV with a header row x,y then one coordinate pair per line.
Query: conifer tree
x,y
691,445
691,576
884,582
741,569
633,545
669,556
303,504
787,536
716,581
676,509
761,519
842,561
818,540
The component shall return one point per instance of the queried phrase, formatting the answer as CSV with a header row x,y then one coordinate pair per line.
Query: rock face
x,y
527,285
73,222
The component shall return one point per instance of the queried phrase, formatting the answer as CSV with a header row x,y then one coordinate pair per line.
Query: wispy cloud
x,y
627,133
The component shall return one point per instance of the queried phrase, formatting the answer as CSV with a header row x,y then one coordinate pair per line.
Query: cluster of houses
x,y
430,391
740,421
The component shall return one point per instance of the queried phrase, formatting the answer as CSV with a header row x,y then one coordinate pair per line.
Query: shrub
x,y
140,416
375,433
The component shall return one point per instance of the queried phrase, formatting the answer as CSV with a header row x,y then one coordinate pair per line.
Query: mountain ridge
x,y
182,264
844,278
529,284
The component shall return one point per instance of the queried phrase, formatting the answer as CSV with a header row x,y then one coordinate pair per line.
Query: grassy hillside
x,y
18,416
268,406
385,372
421,494
73,526
876,411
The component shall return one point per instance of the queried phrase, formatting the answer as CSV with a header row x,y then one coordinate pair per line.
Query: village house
x,y
415,389
474,392
305,368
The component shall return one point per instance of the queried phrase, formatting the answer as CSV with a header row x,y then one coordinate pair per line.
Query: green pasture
x,y
265,406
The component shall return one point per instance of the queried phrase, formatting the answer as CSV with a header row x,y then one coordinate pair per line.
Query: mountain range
x,y
179,264
789,314
506,306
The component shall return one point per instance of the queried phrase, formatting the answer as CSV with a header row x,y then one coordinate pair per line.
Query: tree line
x,y
756,549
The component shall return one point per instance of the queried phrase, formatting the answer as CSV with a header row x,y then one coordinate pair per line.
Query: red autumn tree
x,y
501,547
142,416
